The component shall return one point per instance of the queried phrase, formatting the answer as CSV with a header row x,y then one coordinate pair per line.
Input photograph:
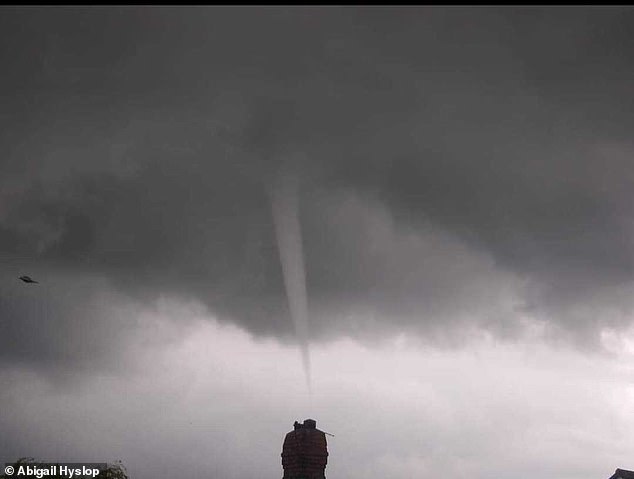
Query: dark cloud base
x,y
138,145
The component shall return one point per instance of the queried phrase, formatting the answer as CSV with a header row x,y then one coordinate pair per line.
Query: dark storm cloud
x,y
66,325
457,166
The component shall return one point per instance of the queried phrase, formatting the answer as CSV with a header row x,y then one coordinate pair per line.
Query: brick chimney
x,y
304,452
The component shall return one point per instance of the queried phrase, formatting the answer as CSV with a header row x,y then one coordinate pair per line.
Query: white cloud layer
x,y
201,399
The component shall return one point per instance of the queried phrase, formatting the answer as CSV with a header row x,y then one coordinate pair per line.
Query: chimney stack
x,y
305,452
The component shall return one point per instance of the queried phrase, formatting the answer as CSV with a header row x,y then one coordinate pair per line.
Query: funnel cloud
x,y
285,207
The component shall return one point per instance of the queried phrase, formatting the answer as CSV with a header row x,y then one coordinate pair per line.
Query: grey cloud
x,y
64,325
487,152
400,411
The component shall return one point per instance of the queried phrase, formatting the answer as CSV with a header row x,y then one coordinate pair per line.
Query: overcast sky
x,y
465,199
